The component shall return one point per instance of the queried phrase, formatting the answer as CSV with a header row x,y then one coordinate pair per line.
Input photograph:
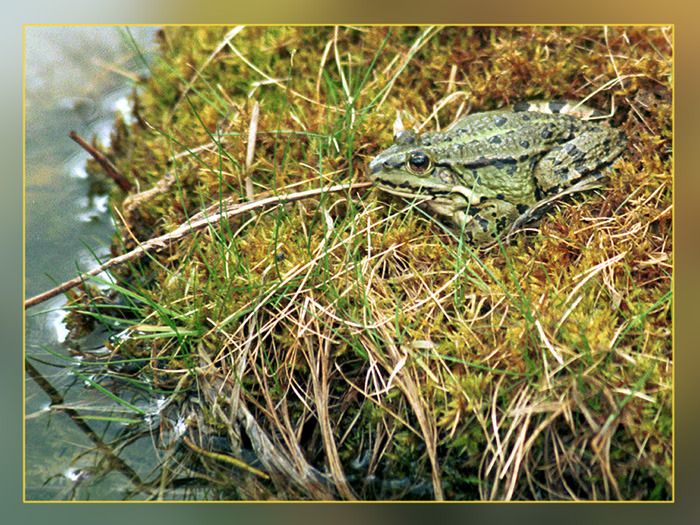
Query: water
x,y
76,78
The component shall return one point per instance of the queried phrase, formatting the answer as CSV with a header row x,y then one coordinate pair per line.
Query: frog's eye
x,y
419,162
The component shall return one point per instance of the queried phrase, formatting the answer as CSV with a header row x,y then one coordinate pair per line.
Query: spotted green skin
x,y
488,170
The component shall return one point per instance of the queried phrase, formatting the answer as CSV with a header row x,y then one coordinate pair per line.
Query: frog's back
x,y
503,134
515,116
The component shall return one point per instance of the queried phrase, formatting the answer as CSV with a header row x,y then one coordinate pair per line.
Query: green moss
x,y
345,309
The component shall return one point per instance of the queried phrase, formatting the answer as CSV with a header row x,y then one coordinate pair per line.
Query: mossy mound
x,y
341,346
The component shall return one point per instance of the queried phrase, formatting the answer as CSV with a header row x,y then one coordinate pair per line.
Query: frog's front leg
x,y
586,154
484,222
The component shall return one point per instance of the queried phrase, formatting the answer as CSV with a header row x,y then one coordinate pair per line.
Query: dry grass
x,y
343,347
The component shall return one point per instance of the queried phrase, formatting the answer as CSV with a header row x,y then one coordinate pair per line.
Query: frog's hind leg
x,y
538,210
578,159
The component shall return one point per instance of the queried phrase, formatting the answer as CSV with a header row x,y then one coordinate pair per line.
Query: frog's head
x,y
408,169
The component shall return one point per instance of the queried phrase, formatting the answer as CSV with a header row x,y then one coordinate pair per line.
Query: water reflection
x,y
76,78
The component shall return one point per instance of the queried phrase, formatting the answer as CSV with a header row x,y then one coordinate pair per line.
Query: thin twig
x,y
110,168
250,152
198,222
225,458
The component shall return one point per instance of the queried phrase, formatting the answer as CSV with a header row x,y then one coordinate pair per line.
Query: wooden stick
x,y
110,168
196,223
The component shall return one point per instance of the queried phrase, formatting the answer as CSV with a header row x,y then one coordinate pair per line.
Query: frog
x,y
490,173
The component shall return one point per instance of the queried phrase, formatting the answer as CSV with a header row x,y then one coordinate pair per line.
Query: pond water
x,y
76,79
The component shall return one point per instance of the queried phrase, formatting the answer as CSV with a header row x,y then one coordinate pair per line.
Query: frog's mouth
x,y
451,198
469,196
409,188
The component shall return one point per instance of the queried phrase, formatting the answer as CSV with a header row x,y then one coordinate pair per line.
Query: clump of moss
x,y
352,349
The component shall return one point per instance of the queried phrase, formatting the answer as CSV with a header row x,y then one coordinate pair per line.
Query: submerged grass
x,y
346,347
